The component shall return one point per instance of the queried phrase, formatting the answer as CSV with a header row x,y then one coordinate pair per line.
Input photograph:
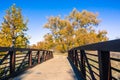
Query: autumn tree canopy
x,y
13,28
74,30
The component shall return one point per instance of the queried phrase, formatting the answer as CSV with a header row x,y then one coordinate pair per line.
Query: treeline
x,y
76,29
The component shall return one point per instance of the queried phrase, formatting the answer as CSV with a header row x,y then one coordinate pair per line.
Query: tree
x,y
75,30
83,24
83,19
62,31
13,29
48,41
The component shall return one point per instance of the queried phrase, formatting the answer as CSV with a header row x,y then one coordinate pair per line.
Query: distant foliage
x,y
75,30
13,27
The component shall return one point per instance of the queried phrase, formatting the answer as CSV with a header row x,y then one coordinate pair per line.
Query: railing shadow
x,y
78,75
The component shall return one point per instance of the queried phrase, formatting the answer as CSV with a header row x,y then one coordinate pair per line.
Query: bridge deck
x,y
57,68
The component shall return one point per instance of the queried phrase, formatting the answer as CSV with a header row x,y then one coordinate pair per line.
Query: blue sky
x,y
37,12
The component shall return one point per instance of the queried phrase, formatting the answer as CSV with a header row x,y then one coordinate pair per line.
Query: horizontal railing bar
x,y
23,68
19,60
2,55
117,70
20,56
115,59
94,67
92,60
5,63
20,63
26,65
3,49
5,67
34,55
92,54
96,73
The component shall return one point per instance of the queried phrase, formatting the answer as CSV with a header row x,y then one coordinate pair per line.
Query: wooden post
x,y
82,59
30,58
38,53
104,65
12,63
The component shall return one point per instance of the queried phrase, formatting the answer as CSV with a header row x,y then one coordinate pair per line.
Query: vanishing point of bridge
x,y
99,61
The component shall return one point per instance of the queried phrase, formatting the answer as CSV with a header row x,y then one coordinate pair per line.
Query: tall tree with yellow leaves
x,y
76,30
13,29
62,31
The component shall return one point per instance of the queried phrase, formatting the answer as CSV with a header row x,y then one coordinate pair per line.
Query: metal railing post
x,y
82,59
104,65
76,60
30,58
12,62
38,54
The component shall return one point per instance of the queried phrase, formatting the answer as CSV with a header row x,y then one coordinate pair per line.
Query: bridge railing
x,y
16,60
99,61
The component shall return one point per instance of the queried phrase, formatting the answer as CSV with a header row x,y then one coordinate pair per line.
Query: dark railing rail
x,y
16,60
99,61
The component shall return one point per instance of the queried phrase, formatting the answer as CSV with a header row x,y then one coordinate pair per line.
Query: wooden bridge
x,y
99,61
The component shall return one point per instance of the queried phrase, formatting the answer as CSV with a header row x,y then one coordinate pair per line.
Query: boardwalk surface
x,y
57,68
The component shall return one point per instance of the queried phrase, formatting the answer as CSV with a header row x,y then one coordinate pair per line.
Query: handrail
x,y
112,45
16,60
80,58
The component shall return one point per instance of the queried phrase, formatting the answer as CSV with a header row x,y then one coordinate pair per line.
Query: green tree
x,y
13,29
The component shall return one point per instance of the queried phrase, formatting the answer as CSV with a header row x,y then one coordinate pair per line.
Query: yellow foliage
x,y
13,28
76,30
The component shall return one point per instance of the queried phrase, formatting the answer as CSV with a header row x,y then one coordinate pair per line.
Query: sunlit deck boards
x,y
57,68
